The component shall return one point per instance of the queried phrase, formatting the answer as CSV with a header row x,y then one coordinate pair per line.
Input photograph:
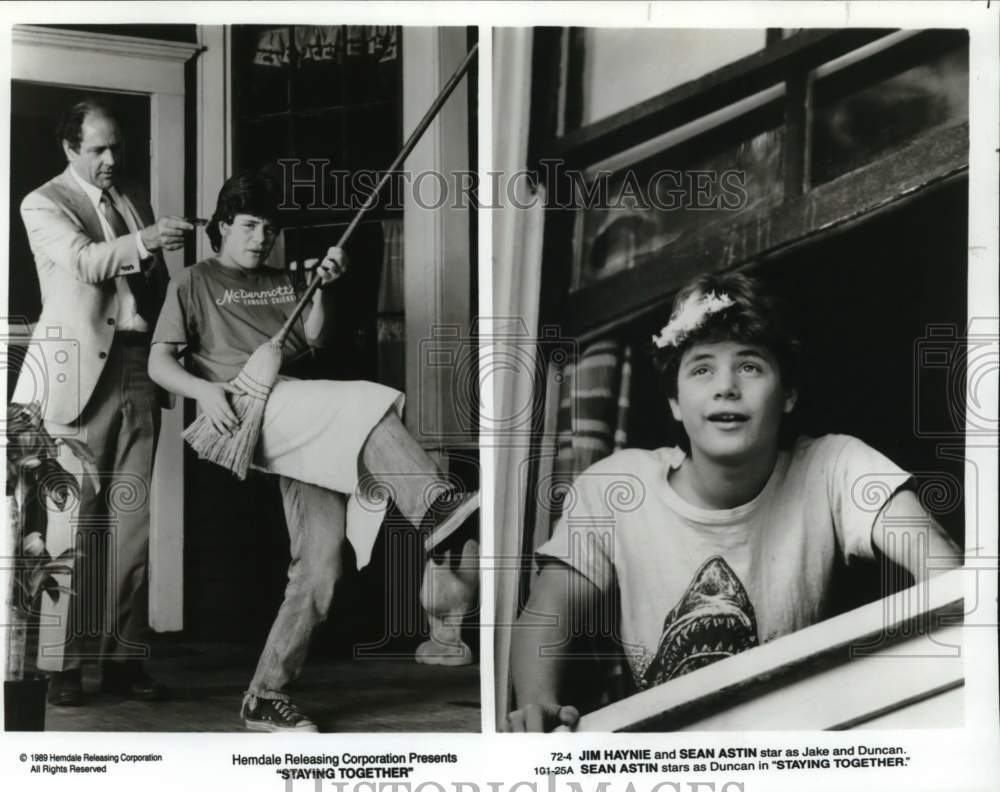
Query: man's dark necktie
x,y
141,291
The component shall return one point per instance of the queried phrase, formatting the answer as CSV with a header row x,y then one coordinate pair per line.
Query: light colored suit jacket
x,y
76,272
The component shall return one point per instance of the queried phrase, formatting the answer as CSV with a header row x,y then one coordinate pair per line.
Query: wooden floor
x,y
341,695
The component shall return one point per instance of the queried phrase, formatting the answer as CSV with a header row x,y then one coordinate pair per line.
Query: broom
x,y
260,372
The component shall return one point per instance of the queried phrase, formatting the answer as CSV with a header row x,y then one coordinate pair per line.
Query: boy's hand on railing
x,y
542,718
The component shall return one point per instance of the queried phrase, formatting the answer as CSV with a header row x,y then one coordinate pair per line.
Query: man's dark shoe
x,y
447,514
66,688
129,679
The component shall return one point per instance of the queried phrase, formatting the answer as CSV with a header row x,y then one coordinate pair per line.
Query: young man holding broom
x,y
331,442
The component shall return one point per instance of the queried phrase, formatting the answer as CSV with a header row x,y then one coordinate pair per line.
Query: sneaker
x,y
274,715
446,515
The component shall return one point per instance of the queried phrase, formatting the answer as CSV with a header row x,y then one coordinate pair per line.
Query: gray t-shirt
x,y
221,315
699,585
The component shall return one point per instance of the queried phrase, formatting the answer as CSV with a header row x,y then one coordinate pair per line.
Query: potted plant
x,y
36,483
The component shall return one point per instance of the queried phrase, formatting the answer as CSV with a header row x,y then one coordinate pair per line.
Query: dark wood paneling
x,y
797,149
546,73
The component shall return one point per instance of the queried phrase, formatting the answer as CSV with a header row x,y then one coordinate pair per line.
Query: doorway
x,y
37,156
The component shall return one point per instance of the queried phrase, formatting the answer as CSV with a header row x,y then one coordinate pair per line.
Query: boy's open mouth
x,y
728,417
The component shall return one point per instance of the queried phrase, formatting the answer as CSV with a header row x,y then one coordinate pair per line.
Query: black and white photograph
x,y
749,439
239,498
520,396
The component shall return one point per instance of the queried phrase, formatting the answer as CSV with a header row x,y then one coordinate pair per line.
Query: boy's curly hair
x,y
757,316
245,193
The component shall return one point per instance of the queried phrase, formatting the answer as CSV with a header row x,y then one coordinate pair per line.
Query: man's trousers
x,y
110,528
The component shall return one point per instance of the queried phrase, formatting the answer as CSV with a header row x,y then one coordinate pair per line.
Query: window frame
x,y
807,211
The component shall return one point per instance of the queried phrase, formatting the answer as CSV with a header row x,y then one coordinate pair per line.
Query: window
x,y
816,129
617,70
316,106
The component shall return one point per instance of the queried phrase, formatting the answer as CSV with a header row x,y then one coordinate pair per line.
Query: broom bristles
x,y
235,451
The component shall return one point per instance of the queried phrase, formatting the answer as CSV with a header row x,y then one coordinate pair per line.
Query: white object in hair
x,y
690,316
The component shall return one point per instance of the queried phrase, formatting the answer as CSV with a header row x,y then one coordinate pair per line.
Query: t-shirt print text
x,y
275,296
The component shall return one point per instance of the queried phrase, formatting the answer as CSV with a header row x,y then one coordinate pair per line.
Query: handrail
x,y
933,604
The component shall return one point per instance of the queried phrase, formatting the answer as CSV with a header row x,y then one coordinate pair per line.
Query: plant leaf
x,y
52,589
81,450
37,581
52,568
87,460
67,556
56,484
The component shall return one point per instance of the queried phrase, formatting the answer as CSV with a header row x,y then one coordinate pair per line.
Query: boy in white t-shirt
x,y
727,546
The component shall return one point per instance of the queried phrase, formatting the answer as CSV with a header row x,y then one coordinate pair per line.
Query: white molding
x,y
99,61
166,527
517,268
104,43
214,130
676,136
854,56
436,241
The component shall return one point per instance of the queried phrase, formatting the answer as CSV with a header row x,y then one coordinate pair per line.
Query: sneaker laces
x,y
287,710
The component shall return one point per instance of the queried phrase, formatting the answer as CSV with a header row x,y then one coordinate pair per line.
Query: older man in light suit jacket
x,y
102,278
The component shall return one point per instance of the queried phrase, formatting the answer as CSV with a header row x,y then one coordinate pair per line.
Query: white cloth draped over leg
x,y
314,431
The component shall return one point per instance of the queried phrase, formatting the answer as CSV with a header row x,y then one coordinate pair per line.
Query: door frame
x,y
157,69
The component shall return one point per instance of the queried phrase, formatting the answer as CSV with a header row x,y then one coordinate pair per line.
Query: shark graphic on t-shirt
x,y
713,620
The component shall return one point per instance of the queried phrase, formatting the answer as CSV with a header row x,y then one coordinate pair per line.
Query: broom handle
x,y
410,145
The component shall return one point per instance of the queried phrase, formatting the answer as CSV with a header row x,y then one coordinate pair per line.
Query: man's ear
x,y
68,151
791,397
675,409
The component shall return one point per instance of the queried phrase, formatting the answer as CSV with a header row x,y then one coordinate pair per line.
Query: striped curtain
x,y
593,414
593,410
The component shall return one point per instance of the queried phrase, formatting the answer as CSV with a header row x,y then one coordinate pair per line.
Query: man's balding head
x,y
70,128
91,140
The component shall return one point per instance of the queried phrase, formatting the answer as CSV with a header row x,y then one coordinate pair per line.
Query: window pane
x,y
372,64
319,137
263,142
622,67
668,198
264,63
319,71
854,126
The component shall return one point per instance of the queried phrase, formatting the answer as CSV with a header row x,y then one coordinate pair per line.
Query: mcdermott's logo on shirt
x,y
275,296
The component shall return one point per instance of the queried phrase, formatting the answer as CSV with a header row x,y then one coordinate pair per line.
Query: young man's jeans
x,y
317,519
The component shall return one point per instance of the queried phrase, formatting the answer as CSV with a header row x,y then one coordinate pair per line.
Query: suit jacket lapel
x,y
79,202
